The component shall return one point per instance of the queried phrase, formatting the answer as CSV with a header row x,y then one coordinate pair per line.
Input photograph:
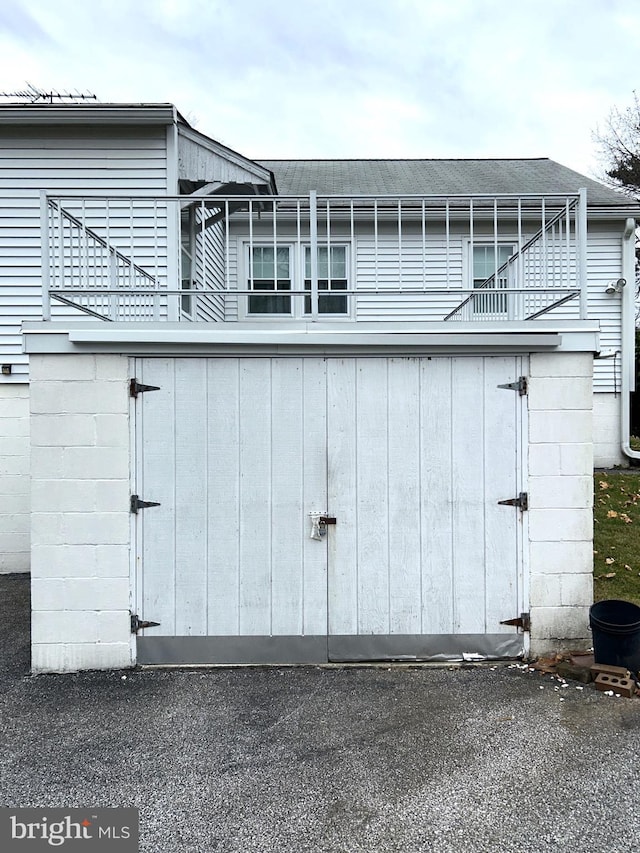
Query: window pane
x,y
265,260
273,304
338,262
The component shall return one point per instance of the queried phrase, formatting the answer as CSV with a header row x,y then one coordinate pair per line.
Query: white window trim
x,y
296,271
467,268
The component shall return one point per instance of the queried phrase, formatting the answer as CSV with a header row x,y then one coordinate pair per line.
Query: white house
x,y
299,411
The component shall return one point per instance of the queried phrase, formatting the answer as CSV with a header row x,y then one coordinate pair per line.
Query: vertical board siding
x,y
75,159
437,510
343,544
241,450
410,454
314,493
501,425
191,496
403,510
223,498
156,481
256,519
420,451
468,479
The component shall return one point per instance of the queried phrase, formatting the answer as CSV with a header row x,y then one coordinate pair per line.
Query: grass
x,y
616,570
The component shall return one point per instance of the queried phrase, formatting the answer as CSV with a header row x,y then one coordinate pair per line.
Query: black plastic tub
x,y
615,626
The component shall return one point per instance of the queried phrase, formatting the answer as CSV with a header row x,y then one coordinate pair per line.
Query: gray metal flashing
x,y
181,339
321,649
231,650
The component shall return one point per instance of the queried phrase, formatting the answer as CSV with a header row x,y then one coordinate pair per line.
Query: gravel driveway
x,y
311,759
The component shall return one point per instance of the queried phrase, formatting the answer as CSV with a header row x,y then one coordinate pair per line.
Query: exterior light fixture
x,y
615,286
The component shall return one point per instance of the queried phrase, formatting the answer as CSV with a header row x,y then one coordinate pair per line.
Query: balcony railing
x,y
226,258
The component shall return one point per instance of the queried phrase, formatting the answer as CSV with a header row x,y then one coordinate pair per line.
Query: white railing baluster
x,y
582,243
313,239
400,247
82,268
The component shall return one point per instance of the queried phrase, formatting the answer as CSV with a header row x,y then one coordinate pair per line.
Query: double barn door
x,y
409,455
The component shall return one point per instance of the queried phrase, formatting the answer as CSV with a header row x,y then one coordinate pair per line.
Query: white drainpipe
x,y
628,334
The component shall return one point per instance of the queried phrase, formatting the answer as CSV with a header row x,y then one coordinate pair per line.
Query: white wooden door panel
x,y
420,453
411,455
436,497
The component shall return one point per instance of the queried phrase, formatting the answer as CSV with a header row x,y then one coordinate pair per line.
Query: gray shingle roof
x,y
436,177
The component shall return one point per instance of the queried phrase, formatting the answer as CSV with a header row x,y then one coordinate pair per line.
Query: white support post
x,y
45,260
313,239
582,252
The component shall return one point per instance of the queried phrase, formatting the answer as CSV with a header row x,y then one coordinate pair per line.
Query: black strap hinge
x,y
136,388
520,385
522,502
136,503
523,621
138,624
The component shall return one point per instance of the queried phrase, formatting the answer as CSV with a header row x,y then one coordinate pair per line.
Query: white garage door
x,y
409,455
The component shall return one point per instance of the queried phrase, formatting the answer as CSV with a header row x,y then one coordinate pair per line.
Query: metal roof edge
x,y
88,114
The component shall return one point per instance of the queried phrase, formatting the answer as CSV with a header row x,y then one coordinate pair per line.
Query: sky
x,y
345,78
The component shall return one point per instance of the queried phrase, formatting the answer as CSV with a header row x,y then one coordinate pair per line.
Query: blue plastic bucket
x,y
615,626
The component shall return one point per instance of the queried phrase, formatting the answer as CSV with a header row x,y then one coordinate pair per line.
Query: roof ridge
x,y
397,159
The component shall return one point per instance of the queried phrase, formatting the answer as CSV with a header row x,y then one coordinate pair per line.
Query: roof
x,y
436,177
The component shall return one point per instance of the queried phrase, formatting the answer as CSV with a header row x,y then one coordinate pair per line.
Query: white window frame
x,y
297,252
468,277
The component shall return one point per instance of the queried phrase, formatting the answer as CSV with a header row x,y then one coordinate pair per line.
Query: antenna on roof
x,y
34,95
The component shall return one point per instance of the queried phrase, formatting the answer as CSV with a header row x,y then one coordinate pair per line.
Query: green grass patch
x,y
616,569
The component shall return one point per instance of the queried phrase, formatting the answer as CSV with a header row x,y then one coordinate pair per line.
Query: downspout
x,y
628,335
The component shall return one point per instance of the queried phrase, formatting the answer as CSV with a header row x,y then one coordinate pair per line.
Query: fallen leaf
x,y
612,514
609,561
609,575
628,568
604,484
625,518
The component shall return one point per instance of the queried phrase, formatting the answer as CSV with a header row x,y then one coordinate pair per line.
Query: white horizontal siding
x,y
604,259
89,160
389,265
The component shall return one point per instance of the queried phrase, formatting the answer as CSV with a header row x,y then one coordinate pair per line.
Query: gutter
x,y
628,336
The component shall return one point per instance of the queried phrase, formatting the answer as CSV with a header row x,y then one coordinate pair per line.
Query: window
x,y
269,270
484,266
332,276
275,275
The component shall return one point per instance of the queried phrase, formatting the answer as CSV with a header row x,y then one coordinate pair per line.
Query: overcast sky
x,y
345,78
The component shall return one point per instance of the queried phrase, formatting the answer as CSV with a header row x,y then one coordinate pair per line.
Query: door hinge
x,y
522,502
136,503
136,387
523,621
139,624
520,386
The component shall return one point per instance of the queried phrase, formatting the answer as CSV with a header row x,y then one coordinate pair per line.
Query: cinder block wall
x,y
14,478
80,523
560,515
606,431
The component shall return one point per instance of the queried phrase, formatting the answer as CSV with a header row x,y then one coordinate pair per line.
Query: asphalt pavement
x,y
487,758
